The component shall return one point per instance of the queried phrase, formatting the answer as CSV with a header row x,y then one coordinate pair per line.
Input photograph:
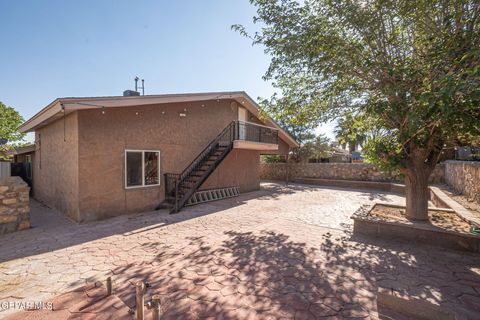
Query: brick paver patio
x,y
282,252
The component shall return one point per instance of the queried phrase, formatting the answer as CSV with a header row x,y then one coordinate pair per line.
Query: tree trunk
x,y
416,188
352,146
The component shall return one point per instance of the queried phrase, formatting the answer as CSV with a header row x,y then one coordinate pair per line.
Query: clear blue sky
x,y
68,48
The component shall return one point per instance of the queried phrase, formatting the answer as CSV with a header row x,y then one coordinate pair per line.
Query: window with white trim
x,y
142,168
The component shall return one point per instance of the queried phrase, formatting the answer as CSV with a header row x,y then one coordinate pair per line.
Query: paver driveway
x,y
282,252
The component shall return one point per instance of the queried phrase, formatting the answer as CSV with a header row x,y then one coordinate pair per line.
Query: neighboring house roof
x,y
61,106
339,151
20,150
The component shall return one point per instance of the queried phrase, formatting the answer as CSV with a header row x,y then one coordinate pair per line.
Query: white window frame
x,y
143,169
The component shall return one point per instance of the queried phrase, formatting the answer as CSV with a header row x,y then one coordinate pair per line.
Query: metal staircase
x,y
180,187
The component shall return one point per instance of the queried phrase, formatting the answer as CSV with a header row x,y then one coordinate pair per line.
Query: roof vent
x,y
130,93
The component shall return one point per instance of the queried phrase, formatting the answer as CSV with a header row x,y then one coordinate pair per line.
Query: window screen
x,y
142,168
134,168
151,168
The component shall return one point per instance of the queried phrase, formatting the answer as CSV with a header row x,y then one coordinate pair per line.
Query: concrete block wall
x,y
14,205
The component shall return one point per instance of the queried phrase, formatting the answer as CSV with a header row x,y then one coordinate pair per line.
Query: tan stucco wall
x,y
240,168
104,137
55,166
84,176
283,149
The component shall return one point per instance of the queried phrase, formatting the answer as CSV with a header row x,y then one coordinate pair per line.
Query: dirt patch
x,y
468,204
440,219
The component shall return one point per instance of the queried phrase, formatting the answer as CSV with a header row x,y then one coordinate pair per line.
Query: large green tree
x,y
414,66
10,120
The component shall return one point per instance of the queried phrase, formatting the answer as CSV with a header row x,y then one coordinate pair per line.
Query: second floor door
x,y
242,129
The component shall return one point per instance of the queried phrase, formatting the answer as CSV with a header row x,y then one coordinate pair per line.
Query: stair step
x,y
213,195
204,164
196,174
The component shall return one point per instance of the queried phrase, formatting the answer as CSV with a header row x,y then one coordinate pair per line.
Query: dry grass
x,y
440,219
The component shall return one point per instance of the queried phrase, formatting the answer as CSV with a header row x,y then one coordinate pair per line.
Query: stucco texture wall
x,y
55,165
103,139
340,171
240,168
464,177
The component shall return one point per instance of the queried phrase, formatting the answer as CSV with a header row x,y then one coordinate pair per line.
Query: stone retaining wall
x,y
464,177
14,205
340,171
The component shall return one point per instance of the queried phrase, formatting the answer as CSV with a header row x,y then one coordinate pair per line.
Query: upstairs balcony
x,y
253,136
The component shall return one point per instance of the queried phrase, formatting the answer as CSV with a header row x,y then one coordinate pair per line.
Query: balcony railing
x,y
248,131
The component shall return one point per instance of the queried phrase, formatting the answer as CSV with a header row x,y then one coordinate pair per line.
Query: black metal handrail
x,y
248,131
227,135
236,130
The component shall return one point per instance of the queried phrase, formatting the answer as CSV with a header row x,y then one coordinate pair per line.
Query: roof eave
x,y
55,107
44,114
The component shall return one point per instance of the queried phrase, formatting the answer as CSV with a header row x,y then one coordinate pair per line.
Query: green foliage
x,y
297,117
351,129
10,120
316,148
411,67
294,115
272,158
384,151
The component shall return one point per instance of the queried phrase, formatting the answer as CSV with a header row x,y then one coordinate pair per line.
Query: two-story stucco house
x,y
100,157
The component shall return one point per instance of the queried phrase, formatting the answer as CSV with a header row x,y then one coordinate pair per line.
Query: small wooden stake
x,y
109,286
156,307
140,302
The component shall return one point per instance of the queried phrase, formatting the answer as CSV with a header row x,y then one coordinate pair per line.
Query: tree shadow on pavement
x,y
441,277
249,275
267,275
271,275
53,231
